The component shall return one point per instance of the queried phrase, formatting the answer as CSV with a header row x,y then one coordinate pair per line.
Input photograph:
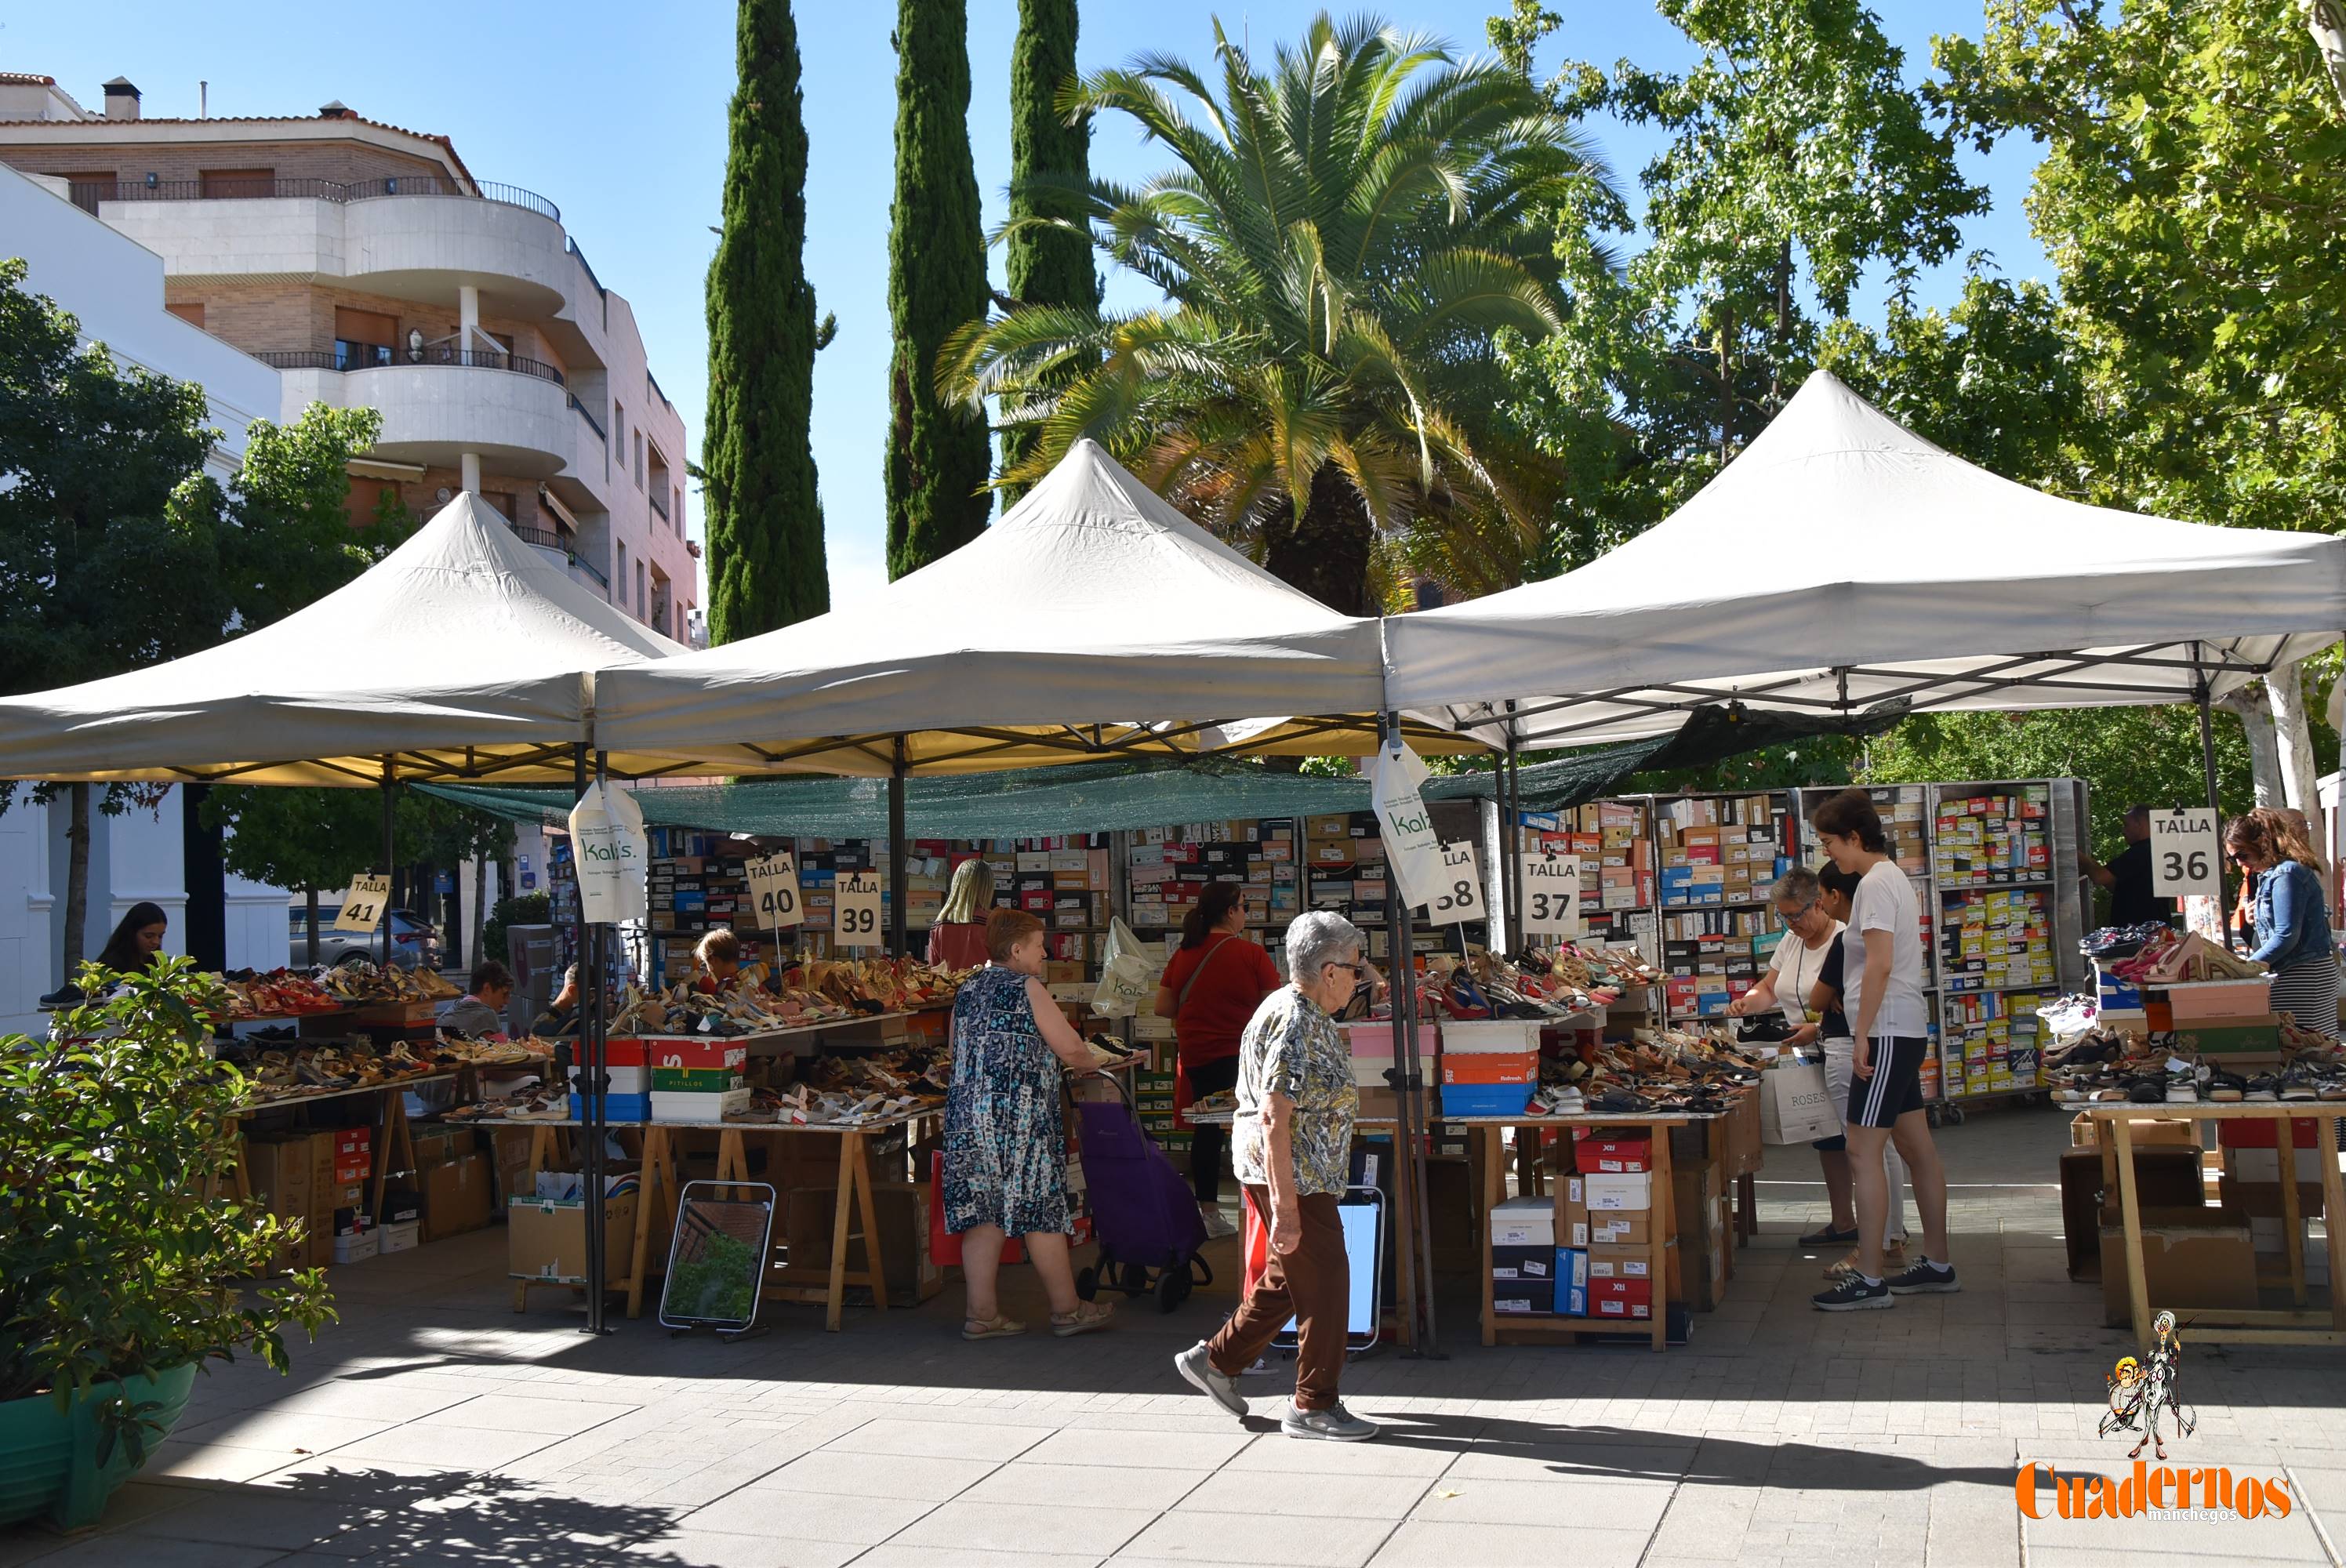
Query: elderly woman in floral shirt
x,y
1292,1144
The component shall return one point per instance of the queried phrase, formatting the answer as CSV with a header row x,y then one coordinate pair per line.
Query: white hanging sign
x,y
1405,825
610,853
2184,856
1551,895
774,889
855,909
363,905
1460,897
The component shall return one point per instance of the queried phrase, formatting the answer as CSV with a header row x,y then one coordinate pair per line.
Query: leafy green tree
x,y
118,550
939,454
766,566
1795,157
1048,249
1340,242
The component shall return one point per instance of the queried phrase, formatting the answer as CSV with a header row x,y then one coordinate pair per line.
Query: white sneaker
x,y
1334,1424
1197,1369
1216,1227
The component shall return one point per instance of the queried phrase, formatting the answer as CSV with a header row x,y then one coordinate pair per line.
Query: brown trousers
x,y
1313,1286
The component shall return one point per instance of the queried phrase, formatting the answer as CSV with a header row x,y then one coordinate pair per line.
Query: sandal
x,y
995,1328
1829,1236
1087,1316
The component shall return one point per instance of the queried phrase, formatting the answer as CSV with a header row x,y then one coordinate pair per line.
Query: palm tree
x,y
1341,244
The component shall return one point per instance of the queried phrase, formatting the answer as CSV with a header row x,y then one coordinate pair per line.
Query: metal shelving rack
x,y
1635,925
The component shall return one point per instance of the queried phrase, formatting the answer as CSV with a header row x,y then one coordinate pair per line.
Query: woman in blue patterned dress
x,y
1005,1166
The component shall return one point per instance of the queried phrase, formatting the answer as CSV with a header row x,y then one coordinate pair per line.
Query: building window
x,y
623,576
679,512
87,187
189,311
640,460
643,601
363,338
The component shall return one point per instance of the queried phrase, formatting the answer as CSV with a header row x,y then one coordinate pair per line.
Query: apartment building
x,y
369,267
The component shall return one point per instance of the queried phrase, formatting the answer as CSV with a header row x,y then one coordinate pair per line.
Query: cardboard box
x,y
1572,1282
457,1196
1614,1193
2165,1176
1523,1222
1523,1298
545,1238
279,1171
1617,1227
1522,1262
436,1145
913,1274
355,1248
1620,1262
397,1237
1625,1299
2192,1258
1595,1154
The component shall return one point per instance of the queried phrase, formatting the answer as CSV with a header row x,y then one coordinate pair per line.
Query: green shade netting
x,y
1114,797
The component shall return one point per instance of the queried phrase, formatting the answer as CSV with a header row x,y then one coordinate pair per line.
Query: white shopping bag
x,y
1795,1107
1128,973
611,852
1412,854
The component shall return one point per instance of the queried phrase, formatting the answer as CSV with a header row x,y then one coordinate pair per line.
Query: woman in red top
x,y
1210,990
957,940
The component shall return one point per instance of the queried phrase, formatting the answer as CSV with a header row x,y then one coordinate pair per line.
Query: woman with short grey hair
x,y
1291,1142
1799,959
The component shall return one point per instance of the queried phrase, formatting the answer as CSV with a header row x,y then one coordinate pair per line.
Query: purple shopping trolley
x,y
1143,1214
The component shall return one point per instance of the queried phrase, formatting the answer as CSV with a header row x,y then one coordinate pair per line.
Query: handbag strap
x,y
1181,997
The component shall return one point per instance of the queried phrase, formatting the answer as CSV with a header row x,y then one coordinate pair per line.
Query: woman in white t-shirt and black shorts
x,y
1882,987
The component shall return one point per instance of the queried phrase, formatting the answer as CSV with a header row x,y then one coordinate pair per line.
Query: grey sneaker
x,y
1197,1370
1335,1423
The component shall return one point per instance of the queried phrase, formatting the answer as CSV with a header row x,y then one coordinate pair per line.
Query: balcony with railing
x,y
347,356
249,188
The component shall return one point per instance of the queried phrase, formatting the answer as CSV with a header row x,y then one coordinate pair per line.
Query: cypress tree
x,y
938,453
1050,162
763,512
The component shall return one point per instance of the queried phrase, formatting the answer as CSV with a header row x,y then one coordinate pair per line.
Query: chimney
x,y
335,110
121,100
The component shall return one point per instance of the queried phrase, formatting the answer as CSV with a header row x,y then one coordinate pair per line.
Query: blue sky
x,y
617,114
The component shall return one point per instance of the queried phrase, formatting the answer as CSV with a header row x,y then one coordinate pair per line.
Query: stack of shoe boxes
x,y
1613,841
1169,868
1719,855
1344,864
1999,834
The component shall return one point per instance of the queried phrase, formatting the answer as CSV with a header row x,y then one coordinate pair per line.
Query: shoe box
x,y
903,1210
2193,1257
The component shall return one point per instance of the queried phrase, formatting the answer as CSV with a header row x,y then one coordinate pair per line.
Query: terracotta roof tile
x,y
245,119
25,80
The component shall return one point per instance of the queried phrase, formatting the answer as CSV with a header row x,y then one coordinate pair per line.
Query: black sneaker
x,y
1852,1294
1925,1278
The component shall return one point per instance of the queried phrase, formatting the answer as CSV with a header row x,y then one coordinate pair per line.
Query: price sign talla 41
x,y
363,905
1458,896
774,889
2186,858
1551,895
855,909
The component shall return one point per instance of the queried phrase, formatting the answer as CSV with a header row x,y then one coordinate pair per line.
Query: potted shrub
x,y
125,1262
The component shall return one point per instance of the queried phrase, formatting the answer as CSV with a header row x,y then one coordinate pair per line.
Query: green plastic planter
x,y
48,1457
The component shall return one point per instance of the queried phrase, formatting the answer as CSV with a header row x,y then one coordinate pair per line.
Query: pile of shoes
x,y
536,1103
2173,959
803,1105
1697,1070
1483,985
1600,972
329,1067
359,982
492,1053
924,1072
275,994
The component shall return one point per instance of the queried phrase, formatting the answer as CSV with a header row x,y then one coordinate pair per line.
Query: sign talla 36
x,y
2186,855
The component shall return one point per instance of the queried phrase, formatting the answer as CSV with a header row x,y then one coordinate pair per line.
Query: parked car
x,y
411,940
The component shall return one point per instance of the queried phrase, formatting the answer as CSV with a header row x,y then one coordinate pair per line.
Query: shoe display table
x,y
2295,1325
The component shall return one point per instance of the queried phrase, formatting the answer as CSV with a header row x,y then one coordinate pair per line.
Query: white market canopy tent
x,y
463,654
1841,561
1091,621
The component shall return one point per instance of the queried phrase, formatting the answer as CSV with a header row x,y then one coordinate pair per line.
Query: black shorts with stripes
x,y
1896,1085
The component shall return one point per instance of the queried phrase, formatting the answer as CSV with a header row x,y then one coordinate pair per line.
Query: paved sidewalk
x,y
435,1425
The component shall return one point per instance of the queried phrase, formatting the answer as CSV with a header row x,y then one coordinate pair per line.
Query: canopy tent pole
x,y
899,871
2199,695
390,801
594,1081
1408,1082
1511,810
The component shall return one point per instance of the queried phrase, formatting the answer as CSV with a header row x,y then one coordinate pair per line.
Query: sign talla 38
x,y
1458,897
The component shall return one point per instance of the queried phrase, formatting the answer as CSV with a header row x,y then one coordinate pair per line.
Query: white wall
x,y
114,285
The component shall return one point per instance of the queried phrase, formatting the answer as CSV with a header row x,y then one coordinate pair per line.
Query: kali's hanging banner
x,y
606,829
1411,853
